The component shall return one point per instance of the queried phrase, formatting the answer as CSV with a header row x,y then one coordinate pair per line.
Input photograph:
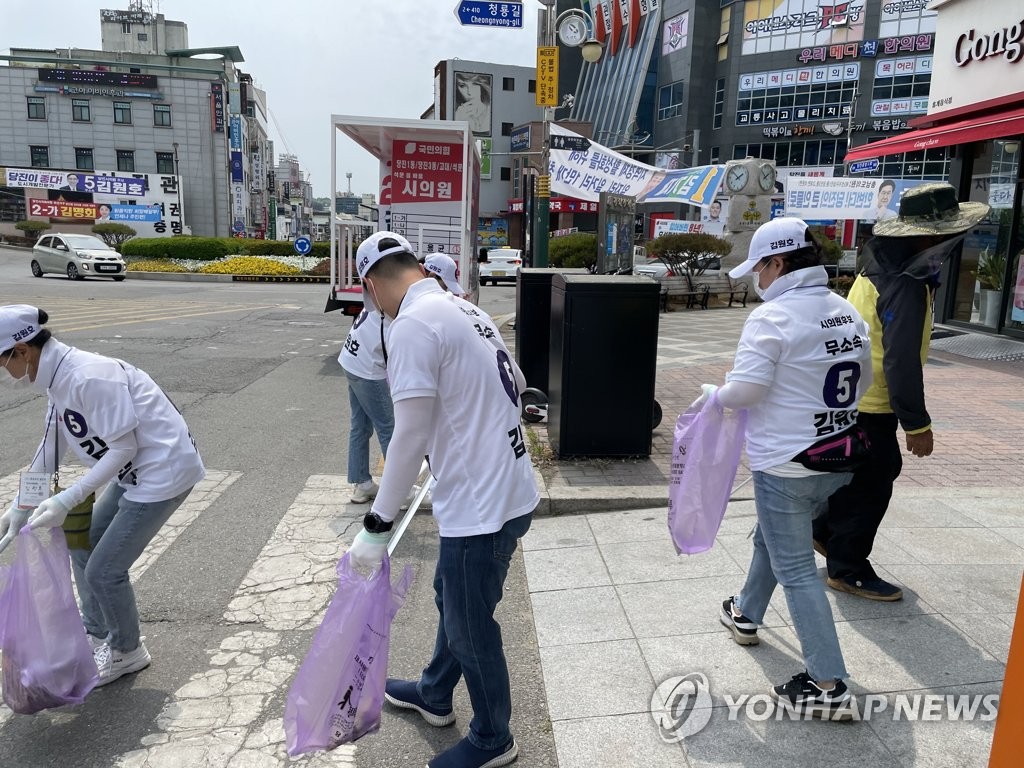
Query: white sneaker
x,y
114,664
427,502
95,642
363,492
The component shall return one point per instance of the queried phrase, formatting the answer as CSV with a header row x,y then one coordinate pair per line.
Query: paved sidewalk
x,y
617,612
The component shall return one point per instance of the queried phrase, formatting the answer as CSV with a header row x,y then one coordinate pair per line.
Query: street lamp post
x,y
181,213
583,37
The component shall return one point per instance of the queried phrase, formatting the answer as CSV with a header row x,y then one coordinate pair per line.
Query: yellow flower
x,y
248,265
154,265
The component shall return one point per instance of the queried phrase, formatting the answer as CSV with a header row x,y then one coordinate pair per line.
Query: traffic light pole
x,y
542,219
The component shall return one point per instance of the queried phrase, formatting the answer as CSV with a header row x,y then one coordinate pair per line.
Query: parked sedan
x,y
77,256
501,265
657,269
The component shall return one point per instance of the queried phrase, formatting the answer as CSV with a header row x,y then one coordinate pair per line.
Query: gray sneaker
x,y
363,492
114,664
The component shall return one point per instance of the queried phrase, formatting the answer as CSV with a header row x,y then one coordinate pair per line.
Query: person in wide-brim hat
x,y
900,269
931,209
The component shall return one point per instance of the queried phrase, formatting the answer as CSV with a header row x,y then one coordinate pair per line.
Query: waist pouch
x,y
844,452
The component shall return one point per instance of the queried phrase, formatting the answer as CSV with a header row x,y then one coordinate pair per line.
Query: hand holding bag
x,y
338,692
705,457
47,660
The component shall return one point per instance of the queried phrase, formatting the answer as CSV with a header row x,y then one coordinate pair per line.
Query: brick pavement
x,y
977,410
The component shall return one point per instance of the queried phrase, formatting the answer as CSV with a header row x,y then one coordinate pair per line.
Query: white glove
x,y
368,549
50,514
707,390
12,521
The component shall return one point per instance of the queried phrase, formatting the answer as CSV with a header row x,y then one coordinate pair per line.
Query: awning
x,y
960,132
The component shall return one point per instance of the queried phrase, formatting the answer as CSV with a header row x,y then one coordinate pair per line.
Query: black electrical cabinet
x,y
604,345
533,322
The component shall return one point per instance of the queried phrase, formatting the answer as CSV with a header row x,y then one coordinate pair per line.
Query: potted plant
x,y
990,272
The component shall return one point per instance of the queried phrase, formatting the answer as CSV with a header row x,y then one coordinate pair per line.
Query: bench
x,y
680,285
720,285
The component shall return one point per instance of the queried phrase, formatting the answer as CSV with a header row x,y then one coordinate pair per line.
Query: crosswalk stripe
x,y
218,718
165,317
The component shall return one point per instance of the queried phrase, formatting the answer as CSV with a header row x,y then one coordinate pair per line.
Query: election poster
x,y
809,197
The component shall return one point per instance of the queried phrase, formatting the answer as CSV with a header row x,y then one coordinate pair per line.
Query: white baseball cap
x,y
444,266
18,322
773,238
377,246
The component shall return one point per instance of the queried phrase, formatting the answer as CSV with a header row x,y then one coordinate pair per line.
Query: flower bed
x,y
272,266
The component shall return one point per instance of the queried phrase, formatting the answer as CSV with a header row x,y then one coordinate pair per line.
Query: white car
x,y
77,256
501,265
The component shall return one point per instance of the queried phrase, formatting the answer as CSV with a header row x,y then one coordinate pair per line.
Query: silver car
x,y
77,256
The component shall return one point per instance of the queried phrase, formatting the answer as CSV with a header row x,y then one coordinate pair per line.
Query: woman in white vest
x,y
123,427
802,364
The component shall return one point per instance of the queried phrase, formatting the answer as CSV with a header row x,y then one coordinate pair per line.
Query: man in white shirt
x,y
456,393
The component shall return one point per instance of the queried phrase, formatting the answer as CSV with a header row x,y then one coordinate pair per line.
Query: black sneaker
x,y
871,588
802,696
744,630
403,694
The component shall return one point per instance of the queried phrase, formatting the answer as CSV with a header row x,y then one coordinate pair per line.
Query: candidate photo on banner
x,y
473,101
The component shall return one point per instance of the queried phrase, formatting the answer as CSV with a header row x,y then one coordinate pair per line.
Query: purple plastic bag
x,y
705,457
338,692
47,660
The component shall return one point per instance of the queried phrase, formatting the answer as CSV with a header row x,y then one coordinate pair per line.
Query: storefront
x,y
976,108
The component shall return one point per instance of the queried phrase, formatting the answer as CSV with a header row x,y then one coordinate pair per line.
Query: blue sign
x,y
236,132
239,225
521,138
864,166
237,175
696,186
302,245
476,14
133,212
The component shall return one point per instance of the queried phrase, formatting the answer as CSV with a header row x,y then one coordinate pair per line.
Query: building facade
x,y
142,107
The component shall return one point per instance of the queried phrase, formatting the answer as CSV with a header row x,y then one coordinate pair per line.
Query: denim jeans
x,y
120,531
783,555
370,403
468,585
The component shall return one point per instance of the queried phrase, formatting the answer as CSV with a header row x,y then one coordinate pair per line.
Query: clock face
x,y
736,178
573,31
766,177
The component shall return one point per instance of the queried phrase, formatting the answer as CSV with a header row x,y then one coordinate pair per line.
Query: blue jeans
x,y
370,403
783,555
120,531
468,585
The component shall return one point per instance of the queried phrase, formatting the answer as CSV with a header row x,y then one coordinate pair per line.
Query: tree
x,y
573,251
831,251
32,228
114,234
691,253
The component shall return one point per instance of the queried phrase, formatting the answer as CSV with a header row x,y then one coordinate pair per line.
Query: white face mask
x,y
757,283
12,382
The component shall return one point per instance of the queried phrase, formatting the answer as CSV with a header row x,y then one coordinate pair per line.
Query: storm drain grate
x,y
978,346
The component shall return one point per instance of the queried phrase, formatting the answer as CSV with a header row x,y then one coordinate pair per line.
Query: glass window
x,y
36,108
532,86
126,27
508,83
723,33
40,156
80,112
83,158
719,102
125,160
162,115
506,173
506,129
670,100
123,112
165,162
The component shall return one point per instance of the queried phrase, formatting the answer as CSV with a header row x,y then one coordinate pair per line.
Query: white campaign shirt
x,y
443,347
812,349
98,399
362,354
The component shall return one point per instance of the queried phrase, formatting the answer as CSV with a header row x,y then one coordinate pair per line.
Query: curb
x,y
185,277
573,500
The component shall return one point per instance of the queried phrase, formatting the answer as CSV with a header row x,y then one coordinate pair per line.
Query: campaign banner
x,y
76,182
695,186
60,209
809,197
425,171
673,227
134,213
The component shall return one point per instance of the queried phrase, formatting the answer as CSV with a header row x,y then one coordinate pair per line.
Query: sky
x,y
313,58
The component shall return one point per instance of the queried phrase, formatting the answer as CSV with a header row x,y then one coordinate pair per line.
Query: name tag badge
x,y
34,488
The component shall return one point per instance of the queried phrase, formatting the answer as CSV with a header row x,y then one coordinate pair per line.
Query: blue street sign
x,y
864,166
487,14
302,245
239,225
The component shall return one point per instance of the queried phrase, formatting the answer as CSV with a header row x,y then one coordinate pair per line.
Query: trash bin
x,y
604,345
533,322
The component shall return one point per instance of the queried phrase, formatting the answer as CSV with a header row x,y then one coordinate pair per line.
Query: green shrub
x,y
688,252
32,229
573,251
253,247
114,234
831,251
182,247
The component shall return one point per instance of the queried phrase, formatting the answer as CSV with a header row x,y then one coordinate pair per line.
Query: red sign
x,y
59,209
426,172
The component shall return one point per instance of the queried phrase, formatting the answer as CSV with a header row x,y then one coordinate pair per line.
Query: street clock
x,y
573,31
751,176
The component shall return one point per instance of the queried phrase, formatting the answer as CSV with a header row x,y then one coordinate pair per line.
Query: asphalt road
x,y
253,367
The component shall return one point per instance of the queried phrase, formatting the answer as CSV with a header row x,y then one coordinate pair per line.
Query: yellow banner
x,y
547,77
